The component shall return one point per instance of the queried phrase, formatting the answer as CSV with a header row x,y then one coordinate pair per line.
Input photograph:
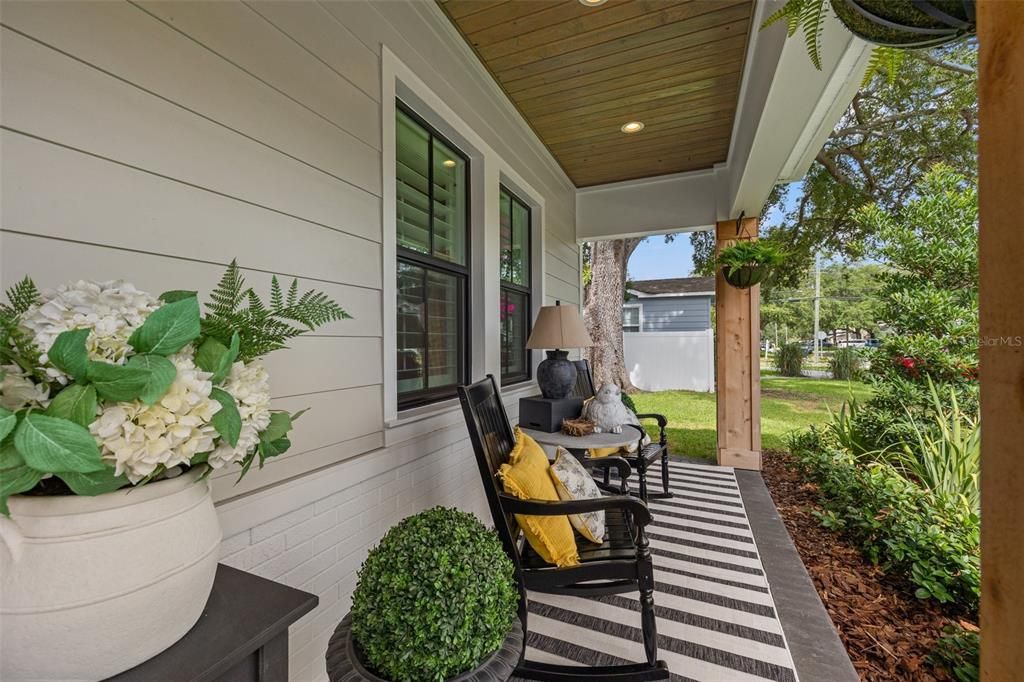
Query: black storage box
x,y
546,414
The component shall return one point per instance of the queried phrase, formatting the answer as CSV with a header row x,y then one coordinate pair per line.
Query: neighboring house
x,y
668,340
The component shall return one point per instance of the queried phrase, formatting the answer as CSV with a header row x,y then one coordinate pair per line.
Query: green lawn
x,y
787,404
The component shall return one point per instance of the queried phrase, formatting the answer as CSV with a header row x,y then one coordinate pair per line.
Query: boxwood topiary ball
x,y
434,598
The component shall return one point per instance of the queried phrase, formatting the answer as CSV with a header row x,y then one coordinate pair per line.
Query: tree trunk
x,y
602,310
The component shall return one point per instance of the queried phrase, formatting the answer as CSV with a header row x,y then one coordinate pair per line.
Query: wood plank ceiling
x,y
578,73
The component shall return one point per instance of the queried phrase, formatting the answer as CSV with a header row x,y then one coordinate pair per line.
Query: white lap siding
x,y
158,141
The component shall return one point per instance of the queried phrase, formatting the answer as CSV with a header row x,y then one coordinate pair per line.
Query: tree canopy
x,y
888,139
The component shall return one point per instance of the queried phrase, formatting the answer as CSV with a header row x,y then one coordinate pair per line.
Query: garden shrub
x,y
789,359
844,364
628,402
932,542
434,598
958,651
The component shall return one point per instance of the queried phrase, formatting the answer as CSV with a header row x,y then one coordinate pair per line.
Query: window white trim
x,y
640,316
487,172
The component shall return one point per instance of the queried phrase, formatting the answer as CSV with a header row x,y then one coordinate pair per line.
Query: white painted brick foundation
x,y
320,542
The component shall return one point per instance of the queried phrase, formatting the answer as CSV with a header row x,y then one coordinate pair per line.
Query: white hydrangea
x,y
249,385
137,438
18,391
112,310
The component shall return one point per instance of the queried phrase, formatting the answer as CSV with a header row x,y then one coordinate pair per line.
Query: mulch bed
x,y
888,632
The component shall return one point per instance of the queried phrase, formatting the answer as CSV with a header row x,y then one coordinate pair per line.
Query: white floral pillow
x,y
573,482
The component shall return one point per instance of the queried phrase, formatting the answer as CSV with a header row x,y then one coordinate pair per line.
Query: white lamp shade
x,y
559,326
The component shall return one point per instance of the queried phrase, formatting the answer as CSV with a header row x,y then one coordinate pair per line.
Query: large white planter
x,y
96,585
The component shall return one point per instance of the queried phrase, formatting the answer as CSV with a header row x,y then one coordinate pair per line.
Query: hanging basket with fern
x,y
748,263
907,23
891,25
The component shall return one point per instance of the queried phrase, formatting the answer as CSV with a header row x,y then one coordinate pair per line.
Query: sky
x,y
654,259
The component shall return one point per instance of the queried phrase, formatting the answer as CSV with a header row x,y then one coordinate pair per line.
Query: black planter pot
x,y
345,662
907,23
746,276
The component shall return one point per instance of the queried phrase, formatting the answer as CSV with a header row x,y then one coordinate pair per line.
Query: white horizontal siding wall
x,y
663,361
157,141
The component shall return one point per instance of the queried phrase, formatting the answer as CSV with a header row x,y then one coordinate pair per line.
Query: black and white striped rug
x,y
716,617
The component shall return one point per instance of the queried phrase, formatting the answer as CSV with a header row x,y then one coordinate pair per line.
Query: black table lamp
x,y
557,327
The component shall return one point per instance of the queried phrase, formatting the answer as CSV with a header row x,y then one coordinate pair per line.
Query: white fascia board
x,y
682,202
798,111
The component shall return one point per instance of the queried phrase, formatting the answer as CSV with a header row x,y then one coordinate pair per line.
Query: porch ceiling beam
x,y
786,110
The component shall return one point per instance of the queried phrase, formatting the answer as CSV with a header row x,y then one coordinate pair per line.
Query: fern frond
x,y
791,12
886,60
276,299
21,297
812,21
263,328
229,292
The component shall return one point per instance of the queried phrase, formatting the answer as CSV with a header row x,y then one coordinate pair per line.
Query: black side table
x,y
241,636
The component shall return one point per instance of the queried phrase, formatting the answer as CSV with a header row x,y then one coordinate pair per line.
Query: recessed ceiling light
x,y
449,163
592,3
632,126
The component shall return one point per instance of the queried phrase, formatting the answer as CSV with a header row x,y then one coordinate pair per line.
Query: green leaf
x,y
51,444
9,456
160,375
177,295
7,422
68,353
168,328
227,421
117,382
273,448
75,403
216,358
95,483
280,425
14,481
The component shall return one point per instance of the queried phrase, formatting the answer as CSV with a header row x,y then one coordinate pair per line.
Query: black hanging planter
x,y
907,23
745,276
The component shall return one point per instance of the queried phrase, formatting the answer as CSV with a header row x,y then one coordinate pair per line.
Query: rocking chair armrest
x,y
641,514
619,464
660,418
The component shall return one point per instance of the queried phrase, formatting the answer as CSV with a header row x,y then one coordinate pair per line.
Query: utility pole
x,y
817,305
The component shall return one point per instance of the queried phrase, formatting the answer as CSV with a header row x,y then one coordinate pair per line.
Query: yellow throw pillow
x,y
526,477
603,452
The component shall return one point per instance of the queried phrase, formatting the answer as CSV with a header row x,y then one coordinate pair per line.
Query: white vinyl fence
x,y
659,361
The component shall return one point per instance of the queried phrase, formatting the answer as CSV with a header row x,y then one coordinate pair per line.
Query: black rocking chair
x,y
645,455
621,564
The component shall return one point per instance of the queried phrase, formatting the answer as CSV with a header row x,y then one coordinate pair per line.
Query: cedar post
x,y
1001,252
737,344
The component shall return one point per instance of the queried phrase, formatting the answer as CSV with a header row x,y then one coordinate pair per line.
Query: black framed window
x,y
515,287
432,211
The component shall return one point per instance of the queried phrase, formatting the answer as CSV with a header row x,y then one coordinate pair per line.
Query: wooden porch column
x,y
737,344
1001,253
